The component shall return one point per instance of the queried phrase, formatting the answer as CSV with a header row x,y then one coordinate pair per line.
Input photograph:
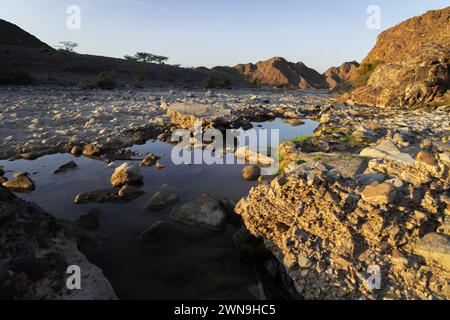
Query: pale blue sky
x,y
321,33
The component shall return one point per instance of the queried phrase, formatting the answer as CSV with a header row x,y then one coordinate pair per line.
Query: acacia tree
x,y
67,46
147,58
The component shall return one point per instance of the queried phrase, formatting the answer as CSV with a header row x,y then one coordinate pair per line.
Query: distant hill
x,y
22,54
279,72
12,35
340,77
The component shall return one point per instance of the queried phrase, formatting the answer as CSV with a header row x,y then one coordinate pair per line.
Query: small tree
x,y
67,46
147,58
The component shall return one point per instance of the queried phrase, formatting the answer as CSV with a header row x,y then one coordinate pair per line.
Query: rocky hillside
x,y
404,40
25,57
412,62
280,73
340,77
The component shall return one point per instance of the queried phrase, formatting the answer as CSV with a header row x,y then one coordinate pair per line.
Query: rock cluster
x,y
330,231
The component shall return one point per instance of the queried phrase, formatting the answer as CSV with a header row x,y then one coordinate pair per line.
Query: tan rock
x,y
379,194
127,174
426,158
435,248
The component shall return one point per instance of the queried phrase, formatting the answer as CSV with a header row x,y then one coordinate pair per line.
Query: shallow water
x,y
190,263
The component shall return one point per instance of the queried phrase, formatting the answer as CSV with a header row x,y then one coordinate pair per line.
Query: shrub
x,y
215,83
18,78
139,79
86,85
107,80
365,70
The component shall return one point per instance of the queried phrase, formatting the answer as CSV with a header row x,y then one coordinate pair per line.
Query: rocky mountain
x,y
405,39
412,63
281,73
337,77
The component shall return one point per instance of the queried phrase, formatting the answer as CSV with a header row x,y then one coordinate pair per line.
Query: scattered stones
x,y
66,167
161,200
127,174
149,161
205,212
20,183
155,233
379,194
251,173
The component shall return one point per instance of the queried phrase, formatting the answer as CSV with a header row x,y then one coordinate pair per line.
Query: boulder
x,y
435,248
426,158
387,150
66,167
251,173
205,212
20,183
155,233
127,174
99,196
379,194
187,115
161,200
129,193
253,157
93,150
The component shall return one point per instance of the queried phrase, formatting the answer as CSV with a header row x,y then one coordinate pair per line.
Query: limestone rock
x,y
426,158
387,150
93,150
205,212
379,194
127,174
436,248
20,183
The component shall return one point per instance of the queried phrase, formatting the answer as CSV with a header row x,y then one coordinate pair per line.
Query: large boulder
x,y
204,212
187,115
20,183
36,253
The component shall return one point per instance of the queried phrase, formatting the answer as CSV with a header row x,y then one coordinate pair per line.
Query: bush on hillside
x,y
18,78
365,70
107,80
217,83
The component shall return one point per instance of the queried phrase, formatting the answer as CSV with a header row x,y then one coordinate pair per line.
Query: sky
x,y
320,33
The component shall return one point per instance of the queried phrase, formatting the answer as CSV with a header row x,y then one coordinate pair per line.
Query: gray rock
x,y
129,193
370,178
66,167
389,151
161,200
205,212
155,233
